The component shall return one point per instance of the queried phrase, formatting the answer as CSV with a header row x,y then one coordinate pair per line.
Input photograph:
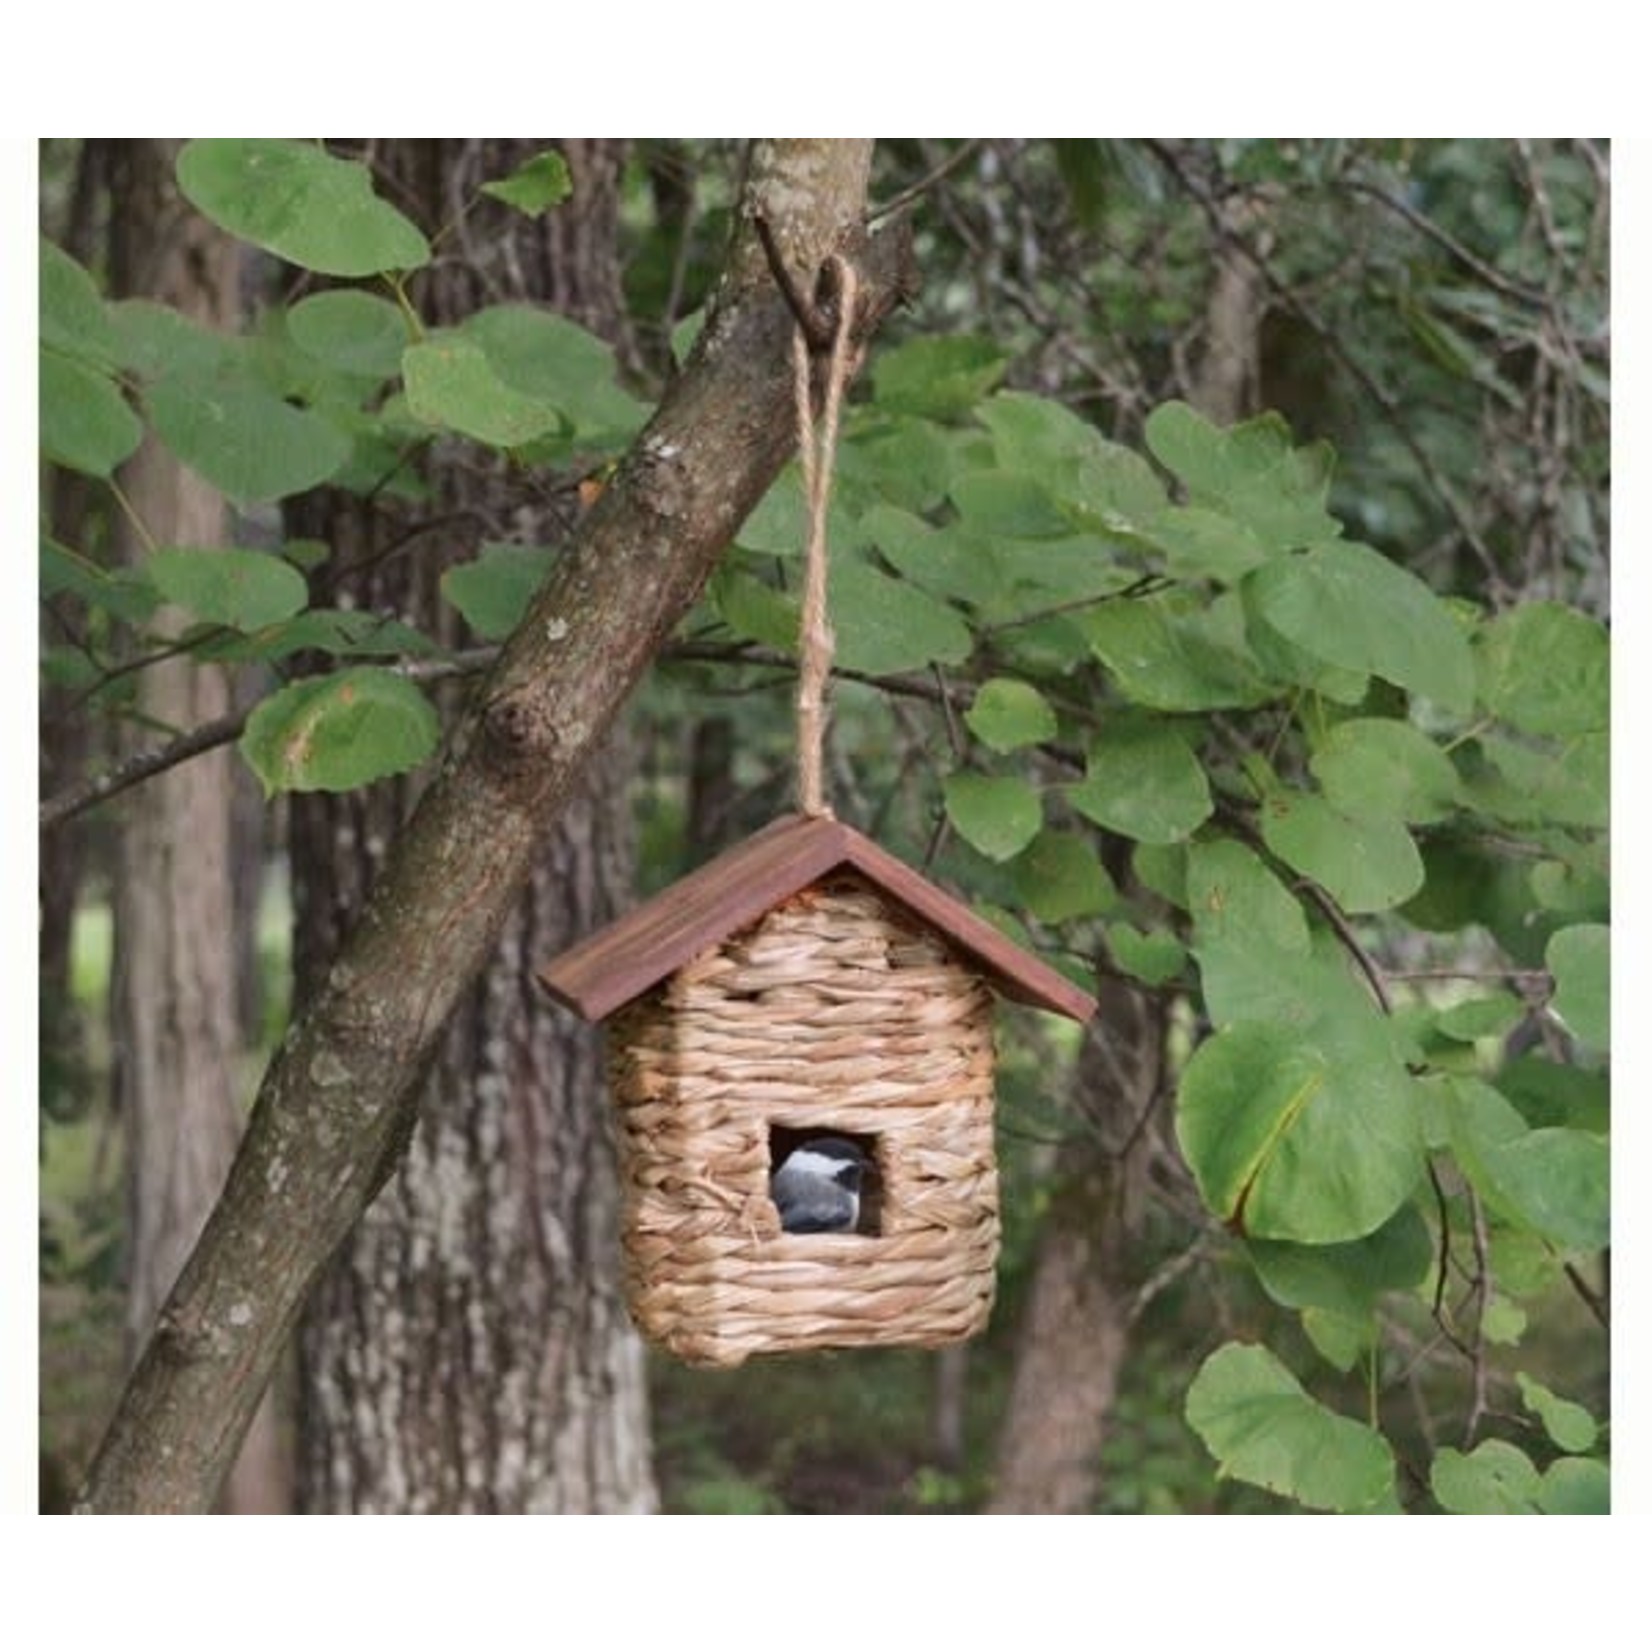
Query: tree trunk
x,y
176,1035
470,1351
340,1098
1074,1335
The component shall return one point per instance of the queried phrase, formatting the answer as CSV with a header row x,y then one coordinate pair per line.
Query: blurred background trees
x,y
1436,311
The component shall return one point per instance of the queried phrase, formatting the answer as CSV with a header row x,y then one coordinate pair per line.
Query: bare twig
x,y
926,183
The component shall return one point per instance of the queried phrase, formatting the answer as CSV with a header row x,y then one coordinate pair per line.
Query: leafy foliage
x,y
1211,709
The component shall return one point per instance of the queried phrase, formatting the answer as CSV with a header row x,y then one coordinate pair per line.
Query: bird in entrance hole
x,y
817,1187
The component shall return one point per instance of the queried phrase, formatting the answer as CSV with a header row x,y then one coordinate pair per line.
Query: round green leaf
x,y
297,201
1008,505
1251,473
1234,896
1554,1180
1008,713
453,383
886,625
1581,960
1262,1427
940,376
1172,657
1494,1478
241,437
1349,606
536,186
243,589
73,318
1143,782
1060,876
1152,956
493,592
999,815
1547,669
334,733
555,361
1288,1142
1565,1422
1367,863
85,423
351,331
1381,766
1576,1485
1346,1279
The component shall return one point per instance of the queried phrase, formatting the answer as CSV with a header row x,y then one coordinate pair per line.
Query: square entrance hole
x,y
785,1139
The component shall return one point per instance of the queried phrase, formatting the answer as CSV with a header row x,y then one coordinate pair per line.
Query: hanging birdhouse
x,y
805,1003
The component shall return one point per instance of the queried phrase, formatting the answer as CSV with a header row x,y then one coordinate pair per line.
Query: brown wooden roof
x,y
638,951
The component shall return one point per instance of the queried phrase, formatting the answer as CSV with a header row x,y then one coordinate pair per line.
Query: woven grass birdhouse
x,y
804,984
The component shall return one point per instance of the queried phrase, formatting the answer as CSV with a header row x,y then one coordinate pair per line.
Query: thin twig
x,y
926,183
1482,1290
1333,915
1592,1298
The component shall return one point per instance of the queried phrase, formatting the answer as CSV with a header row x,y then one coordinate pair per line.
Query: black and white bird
x,y
817,1187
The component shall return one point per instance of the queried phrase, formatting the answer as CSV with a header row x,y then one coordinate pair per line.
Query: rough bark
x,y
176,1034
469,1350
340,1097
1075,1332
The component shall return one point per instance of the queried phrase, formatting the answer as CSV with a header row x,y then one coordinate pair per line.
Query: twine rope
x,y
817,451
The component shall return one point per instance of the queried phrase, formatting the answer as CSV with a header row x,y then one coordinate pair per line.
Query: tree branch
x,y
338,1102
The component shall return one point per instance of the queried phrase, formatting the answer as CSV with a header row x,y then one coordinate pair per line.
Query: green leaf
x,y
1262,1427
1153,956
1566,1423
1007,714
243,589
1249,473
351,331
73,318
155,340
1170,656
1142,781
999,816
1289,1142
1349,606
1233,896
1341,1342
1472,1019
1581,960
1206,544
1546,669
124,592
1381,766
1494,1478
940,375
752,609
536,186
1564,782
240,436
1346,1279
1366,863
297,201
1059,876
334,733
1555,1180
1576,1485
886,625
555,361
85,423
1004,504
494,590
452,383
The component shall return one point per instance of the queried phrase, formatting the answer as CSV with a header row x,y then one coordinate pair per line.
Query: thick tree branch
x,y
338,1101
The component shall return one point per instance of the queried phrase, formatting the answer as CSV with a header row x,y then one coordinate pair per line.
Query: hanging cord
x,y
818,454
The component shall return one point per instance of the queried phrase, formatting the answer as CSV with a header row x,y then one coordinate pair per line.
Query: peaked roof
x,y
638,951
